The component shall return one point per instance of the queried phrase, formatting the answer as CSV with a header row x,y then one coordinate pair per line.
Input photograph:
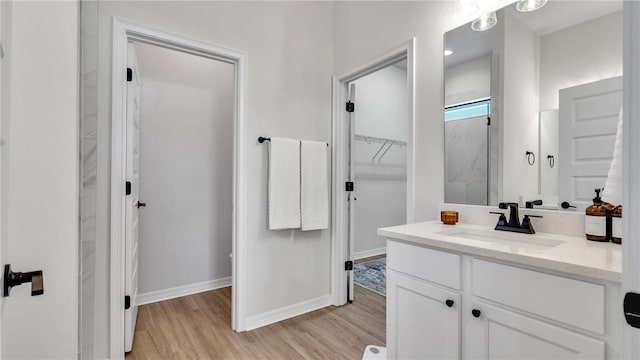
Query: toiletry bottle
x,y
596,220
616,225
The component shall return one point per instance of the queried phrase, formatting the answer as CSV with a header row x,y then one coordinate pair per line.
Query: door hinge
x,y
348,186
348,265
129,74
631,307
350,106
127,302
127,190
489,120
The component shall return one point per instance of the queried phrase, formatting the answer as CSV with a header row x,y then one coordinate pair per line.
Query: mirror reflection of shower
x,y
466,152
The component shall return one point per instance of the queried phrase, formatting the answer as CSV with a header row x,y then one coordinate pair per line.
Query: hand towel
x,y
284,184
613,187
314,178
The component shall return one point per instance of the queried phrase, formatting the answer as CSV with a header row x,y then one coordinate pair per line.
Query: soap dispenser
x,y
596,220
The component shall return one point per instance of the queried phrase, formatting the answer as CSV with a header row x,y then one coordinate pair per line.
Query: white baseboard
x,y
369,253
287,312
184,290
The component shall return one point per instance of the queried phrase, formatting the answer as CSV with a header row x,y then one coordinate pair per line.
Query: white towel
x,y
314,175
284,184
613,187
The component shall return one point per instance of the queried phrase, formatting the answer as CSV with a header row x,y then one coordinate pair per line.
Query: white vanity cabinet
x,y
501,334
496,311
426,319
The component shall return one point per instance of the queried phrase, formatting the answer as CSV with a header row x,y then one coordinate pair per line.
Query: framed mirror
x,y
532,101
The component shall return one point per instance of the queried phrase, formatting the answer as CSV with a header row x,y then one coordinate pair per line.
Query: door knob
x,y
449,302
12,279
141,204
476,313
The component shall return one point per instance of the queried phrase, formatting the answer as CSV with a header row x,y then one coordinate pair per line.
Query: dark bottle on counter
x,y
597,220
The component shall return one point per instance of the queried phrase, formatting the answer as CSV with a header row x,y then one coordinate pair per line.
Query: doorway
x,y
175,174
374,157
379,169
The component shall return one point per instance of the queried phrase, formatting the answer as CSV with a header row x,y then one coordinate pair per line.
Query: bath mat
x,y
372,275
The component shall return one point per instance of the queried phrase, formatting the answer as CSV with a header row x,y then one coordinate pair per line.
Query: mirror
x,y
532,104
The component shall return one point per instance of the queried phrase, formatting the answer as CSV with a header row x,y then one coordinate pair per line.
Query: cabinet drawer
x,y
573,302
431,265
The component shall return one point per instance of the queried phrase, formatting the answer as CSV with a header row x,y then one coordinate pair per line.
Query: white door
x,y
493,333
351,196
423,321
132,202
39,178
588,124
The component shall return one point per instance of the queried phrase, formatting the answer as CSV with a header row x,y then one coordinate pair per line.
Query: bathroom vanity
x,y
470,292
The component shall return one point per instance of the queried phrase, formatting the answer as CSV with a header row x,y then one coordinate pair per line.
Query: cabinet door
x,y
499,334
423,321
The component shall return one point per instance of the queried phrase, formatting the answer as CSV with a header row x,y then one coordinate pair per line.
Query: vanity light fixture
x,y
485,22
530,5
447,52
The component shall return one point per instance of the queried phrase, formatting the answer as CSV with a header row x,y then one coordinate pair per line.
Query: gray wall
x,y
186,168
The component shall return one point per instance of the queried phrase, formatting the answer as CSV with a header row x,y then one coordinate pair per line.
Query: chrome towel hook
x,y
552,161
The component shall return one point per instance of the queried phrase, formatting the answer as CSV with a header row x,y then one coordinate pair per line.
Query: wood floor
x,y
198,327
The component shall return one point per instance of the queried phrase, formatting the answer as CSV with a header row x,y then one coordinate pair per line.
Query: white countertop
x,y
576,255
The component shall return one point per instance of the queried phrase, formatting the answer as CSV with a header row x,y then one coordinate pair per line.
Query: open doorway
x,y
373,173
177,176
184,148
379,169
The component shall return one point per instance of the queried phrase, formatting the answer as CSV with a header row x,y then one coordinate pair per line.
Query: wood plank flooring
x,y
198,327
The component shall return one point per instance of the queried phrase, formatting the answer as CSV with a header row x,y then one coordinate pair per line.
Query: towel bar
x,y
262,139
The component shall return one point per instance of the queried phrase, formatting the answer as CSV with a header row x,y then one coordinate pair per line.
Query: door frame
x,y
631,166
339,157
124,31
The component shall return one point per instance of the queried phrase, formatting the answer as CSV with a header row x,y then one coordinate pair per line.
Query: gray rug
x,y
372,275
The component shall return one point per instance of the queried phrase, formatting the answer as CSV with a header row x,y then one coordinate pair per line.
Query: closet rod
x,y
262,139
373,139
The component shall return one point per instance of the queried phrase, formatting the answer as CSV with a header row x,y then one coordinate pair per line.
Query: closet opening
x,y
373,171
379,130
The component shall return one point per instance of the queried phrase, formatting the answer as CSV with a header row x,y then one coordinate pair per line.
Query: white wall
x,y
289,81
519,110
467,81
186,168
584,53
381,187
363,30
549,145
43,155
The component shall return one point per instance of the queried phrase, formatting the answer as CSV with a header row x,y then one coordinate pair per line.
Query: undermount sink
x,y
533,242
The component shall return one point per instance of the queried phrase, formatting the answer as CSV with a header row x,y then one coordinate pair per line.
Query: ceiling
x,y
556,15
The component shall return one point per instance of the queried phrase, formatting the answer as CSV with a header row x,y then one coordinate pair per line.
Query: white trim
x,y
287,312
369,253
124,31
184,290
340,138
631,166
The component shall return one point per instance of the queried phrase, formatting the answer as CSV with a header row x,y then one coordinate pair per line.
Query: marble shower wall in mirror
x,y
498,84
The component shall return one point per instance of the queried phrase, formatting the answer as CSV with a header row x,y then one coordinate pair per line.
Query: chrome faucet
x,y
513,224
